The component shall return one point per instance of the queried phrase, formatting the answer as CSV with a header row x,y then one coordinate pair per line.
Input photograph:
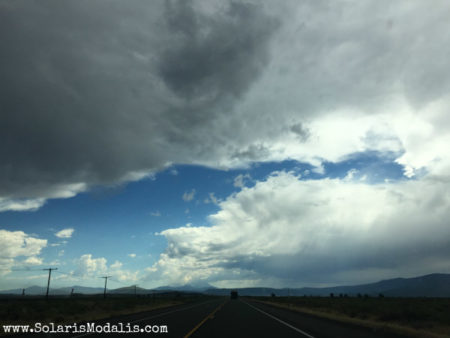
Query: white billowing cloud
x,y
33,260
88,266
425,136
137,175
123,275
21,205
335,136
132,255
343,80
189,196
35,200
285,230
65,233
116,265
18,249
17,244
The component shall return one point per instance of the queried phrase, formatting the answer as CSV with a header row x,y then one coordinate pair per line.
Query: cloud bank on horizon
x,y
284,230
123,90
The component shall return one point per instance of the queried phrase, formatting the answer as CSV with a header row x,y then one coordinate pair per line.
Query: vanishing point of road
x,y
222,317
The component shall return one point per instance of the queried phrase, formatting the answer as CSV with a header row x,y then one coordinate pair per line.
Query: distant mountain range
x,y
130,290
39,290
199,287
434,285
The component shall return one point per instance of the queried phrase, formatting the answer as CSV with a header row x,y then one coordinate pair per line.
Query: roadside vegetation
x,y
415,317
64,310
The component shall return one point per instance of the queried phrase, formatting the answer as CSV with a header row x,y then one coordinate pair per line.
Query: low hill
x,y
433,285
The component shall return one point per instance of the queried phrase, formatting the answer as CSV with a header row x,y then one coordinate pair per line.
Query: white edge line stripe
x,y
151,317
282,322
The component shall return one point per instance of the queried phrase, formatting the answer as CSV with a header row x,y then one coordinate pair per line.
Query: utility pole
x,y
289,297
48,283
135,286
23,292
106,280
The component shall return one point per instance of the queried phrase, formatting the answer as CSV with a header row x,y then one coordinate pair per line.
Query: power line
x,y
19,269
110,278
70,274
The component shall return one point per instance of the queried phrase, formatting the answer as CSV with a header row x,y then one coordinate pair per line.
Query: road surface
x,y
222,317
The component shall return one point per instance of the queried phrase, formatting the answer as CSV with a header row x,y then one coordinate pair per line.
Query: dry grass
x,y
77,310
411,317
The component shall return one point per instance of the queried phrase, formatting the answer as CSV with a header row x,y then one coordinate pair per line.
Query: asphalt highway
x,y
242,318
222,317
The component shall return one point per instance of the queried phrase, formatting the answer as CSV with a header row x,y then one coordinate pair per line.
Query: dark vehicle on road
x,y
233,294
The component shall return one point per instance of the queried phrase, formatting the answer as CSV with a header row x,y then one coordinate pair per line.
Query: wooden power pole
x,y
106,280
49,276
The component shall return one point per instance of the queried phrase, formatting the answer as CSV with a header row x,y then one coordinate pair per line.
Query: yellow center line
x,y
210,316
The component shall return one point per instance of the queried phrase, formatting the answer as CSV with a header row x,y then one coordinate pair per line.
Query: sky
x,y
224,143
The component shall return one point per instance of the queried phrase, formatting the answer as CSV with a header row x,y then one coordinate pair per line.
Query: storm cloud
x,y
96,93
104,93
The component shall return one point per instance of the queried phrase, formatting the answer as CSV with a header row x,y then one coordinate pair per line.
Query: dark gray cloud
x,y
213,57
91,92
100,93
